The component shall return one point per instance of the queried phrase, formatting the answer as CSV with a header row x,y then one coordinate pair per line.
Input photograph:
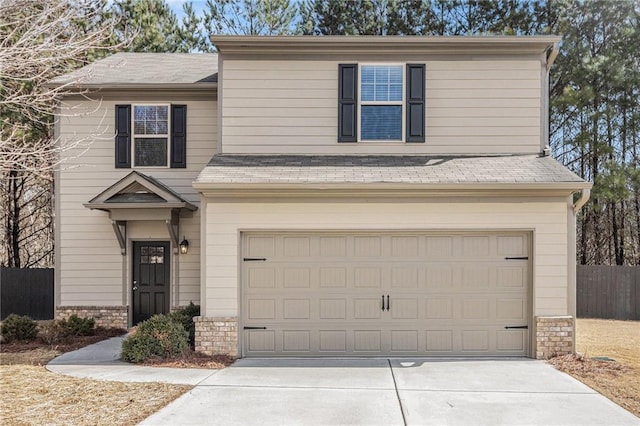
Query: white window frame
x,y
134,135
402,103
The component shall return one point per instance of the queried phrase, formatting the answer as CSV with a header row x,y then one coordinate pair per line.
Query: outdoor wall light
x,y
184,245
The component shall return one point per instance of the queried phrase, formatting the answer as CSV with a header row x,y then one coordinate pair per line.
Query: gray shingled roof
x,y
129,69
414,169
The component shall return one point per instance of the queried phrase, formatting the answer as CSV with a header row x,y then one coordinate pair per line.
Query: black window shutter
x,y
347,102
415,102
178,136
123,137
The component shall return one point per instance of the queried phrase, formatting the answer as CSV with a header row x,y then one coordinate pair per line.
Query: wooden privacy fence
x,y
608,292
26,292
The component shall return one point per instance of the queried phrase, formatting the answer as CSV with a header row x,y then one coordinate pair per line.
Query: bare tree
x,y
39,40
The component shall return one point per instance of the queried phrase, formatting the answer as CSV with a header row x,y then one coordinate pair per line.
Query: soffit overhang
x,y
446,45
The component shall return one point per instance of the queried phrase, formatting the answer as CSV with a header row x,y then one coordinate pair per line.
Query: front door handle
x,y
388,305
383,303
135,285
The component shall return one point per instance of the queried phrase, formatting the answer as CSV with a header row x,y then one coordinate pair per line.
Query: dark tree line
x,y
594,87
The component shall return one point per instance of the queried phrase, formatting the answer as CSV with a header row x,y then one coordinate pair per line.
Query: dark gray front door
x,y
150,279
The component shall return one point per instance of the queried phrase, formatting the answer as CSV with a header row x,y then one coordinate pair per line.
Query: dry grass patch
x,y
619,340
37,356
33,395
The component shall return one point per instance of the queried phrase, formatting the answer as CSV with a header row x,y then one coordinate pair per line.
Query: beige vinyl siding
x,y
472,106
91,267
546,220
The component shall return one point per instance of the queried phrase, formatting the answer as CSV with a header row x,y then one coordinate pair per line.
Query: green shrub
x,y
159,336
16,327
185,317
76,326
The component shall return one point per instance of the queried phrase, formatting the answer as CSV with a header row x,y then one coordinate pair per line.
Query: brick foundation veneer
x,y
105,316
217,335
554,337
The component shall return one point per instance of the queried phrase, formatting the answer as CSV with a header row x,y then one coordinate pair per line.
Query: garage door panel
x,y
260,246
475,341
333,309
370,308
511,309
367,246
333,246
296,278
296,341
263,341
404,247
328,298
260,309
404,308
261,277
476,277
438,277
510,340
439,247
296,309
439,341
511,245
296,246
333,277
334,341
367,341
511,277
476,309
404,341
404,277
475,246
368,277
439,308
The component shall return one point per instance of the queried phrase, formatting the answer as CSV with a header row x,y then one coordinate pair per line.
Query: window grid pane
x,y
151,152
381,122
151,119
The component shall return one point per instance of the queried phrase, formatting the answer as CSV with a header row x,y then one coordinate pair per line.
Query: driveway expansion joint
x,y
404,417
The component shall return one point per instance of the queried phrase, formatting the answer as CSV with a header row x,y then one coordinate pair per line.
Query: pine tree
x,y
250,17
150,24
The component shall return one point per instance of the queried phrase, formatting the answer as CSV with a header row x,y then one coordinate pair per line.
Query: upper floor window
x,y
153,135
150,135
381,102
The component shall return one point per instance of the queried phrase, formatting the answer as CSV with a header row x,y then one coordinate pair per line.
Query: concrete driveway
x,y
391,392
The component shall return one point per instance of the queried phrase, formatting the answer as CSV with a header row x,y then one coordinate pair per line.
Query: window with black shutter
x,y
381,102
151,136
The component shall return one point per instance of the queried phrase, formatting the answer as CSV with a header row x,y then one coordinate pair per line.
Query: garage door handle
x,y
507,327
254,328
383,303
254,259
517,258
388,305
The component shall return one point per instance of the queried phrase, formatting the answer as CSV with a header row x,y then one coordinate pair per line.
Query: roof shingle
x,y
143,69
413,169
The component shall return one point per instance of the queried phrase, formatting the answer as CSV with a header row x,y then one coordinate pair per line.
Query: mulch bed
x,y
65,344
38,352
192,359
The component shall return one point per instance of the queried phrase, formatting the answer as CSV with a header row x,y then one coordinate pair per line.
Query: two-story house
x,y
340,196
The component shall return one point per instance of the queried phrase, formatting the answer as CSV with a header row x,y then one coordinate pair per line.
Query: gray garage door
x,y
385,294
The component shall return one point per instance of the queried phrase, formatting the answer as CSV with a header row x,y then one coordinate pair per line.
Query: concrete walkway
x,y
102,361
377,391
